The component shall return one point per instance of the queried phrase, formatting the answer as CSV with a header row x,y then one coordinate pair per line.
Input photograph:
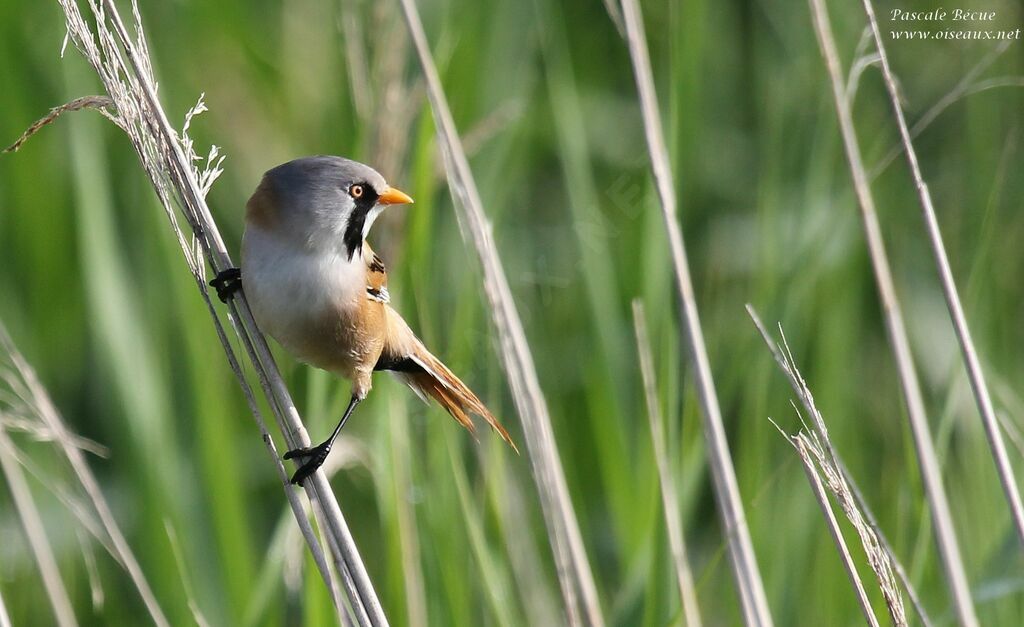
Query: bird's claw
x,y
227,282
317,456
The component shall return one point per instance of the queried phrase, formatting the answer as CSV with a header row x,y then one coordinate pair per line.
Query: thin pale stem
x,y
298,511
730,504
32,522
928,463
949,290
669,502
574,574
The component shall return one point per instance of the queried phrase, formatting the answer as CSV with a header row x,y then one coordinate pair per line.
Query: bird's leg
x,y
318,454
227,282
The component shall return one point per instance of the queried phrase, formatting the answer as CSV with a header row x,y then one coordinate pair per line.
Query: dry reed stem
x,y
817,448
168,160
191,192
802,445
931,475
860,502
34,395
574,574
669,503
897,566
36,533
525,560
100,103
949,290
154,150
730,504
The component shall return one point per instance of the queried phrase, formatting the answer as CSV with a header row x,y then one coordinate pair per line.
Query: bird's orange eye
x,y
356,191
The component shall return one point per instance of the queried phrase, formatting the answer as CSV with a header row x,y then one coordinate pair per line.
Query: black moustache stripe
x,y
353,238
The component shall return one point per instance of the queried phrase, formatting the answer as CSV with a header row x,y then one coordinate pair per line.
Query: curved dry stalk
x,y
928,463
897,566
122,63
727,494
859,502
956,311
803,445
99,103
41,404
574,574
36,534
817,454
669,503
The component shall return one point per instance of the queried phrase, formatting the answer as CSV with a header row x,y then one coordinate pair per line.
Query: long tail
x,y
433,379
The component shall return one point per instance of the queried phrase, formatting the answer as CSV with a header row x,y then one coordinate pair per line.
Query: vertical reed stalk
x,y
574,573
956,311
730,504
669,502
927,460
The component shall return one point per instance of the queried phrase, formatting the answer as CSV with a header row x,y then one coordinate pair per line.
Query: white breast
x,y
292,290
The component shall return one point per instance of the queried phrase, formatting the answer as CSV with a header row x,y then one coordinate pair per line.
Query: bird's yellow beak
x,y
392,196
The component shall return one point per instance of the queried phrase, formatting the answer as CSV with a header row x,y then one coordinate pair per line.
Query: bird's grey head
x,y
325,202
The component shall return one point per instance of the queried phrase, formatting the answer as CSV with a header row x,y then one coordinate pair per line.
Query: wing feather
x,y
406,357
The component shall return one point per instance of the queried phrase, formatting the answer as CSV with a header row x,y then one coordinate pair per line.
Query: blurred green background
x,y
94,291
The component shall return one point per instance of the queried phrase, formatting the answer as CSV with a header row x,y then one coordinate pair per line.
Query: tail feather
x,y
436,381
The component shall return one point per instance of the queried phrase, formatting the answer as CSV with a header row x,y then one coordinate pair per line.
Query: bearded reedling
x,y
316,287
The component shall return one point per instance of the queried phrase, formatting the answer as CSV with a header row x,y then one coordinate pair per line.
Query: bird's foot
x,y
316,456
227,282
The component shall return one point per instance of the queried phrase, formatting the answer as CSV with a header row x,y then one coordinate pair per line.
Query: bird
x,y
316,286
